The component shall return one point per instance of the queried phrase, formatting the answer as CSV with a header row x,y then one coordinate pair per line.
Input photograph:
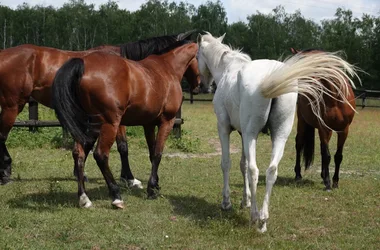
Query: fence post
x,y
363,99
177,127
191,97
33,114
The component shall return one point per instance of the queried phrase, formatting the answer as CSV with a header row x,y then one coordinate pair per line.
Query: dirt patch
x,y
214,142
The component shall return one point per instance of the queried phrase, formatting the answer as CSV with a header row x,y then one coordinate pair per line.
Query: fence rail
x,y
34,123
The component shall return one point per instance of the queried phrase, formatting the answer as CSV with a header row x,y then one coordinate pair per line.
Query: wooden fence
x,y
33,123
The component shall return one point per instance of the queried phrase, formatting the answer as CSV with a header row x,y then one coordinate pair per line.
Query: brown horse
x,y
90,99
337,116
29,70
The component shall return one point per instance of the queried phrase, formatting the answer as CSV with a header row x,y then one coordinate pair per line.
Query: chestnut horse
x,y
28,71
337,115
91,100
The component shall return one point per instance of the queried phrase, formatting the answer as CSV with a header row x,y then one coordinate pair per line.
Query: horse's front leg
x,y
224,131
101,154
163,132
126,175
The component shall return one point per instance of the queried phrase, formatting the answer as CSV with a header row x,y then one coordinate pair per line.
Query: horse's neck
x,y
180,58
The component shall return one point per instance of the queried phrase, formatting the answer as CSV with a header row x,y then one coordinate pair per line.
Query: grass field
x,y
39,209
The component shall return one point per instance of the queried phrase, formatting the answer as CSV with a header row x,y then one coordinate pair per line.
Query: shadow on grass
x,y
18,179
203,212
56,199
282,181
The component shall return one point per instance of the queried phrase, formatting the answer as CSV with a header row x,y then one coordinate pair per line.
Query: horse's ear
x,y
294,51
199,39
220,39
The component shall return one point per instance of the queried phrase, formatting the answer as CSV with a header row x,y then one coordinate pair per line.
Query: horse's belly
x,y
135,117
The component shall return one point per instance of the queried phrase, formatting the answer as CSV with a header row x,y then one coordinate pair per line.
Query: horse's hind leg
x,y
324,136
249,141
7,118
80,154
224,131
246,201
126,173
101,154
342,136
281,122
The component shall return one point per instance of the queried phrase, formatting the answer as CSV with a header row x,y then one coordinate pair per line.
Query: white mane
x,y
216,50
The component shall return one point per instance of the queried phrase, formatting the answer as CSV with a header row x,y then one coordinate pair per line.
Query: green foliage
x,y
185,144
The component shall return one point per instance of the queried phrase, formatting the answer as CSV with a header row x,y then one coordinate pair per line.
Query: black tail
x,y
66,101
309,141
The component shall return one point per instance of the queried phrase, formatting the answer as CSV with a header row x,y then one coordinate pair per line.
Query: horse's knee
x,y
100,157
271,174
122,147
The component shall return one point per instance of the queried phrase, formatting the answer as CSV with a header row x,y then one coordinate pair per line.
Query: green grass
x,y
39,209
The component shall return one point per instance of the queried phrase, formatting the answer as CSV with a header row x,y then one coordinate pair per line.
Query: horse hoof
x,y
245,204
262,227
5,181
119,204
335,185
134,184
226,206
84,201
153,193
298,178
327,189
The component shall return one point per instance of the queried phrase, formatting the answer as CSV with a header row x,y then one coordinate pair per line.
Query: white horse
x,y
242,102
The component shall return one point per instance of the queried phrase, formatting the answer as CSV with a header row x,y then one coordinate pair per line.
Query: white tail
x,y
302,74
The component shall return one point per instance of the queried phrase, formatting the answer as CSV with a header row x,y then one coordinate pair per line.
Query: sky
x,y
238,10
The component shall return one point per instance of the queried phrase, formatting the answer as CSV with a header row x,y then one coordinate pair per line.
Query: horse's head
x,y
203,65
193,77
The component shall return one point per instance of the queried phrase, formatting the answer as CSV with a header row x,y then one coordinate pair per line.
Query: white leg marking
x,y
84,201
135,184
118,203
132,183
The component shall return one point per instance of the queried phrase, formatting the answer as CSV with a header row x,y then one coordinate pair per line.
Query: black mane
x,y
173,46
143,48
